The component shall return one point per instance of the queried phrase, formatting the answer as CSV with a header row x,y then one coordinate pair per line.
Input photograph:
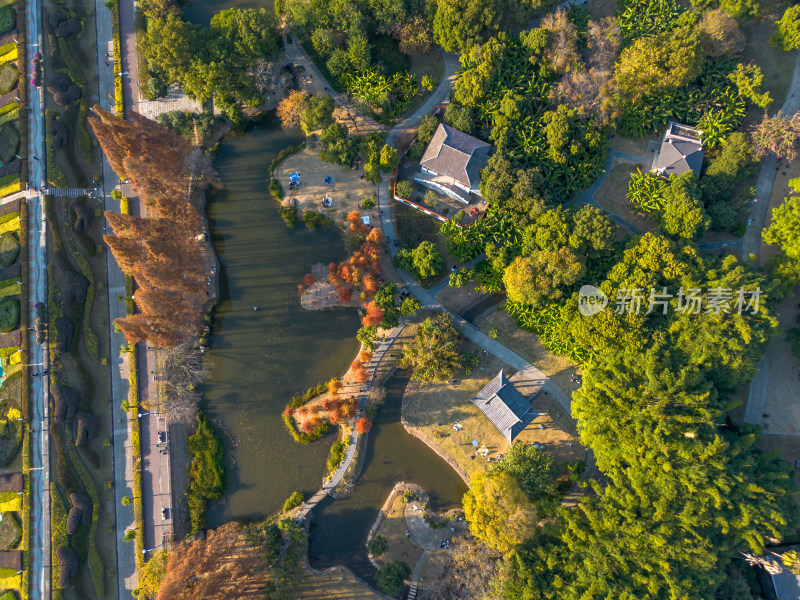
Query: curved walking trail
x,y
751,244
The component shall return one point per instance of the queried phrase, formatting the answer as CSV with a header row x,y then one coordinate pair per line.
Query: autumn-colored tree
x,y
348,409
363,425
223,565
303,410
307,427
373,314
289,411
308,280
334,385
371,284
335,417
355,365
161,253
344,293
290,108
315,421
361,375
315,408
365,356
375,236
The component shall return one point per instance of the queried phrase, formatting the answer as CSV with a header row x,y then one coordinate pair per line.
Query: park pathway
x,y
751,244
363,396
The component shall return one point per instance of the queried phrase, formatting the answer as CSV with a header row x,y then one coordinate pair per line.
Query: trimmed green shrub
x,y
337,455
275,189
9,76
404,189
206,471
289,216
9,314
296,499
313,220
377,545
9,142
9,249
8,18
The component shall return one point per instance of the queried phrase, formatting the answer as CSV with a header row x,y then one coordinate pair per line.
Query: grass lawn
x,y
435,407
412,227
527,345
394,529
10,579
611,196
337,583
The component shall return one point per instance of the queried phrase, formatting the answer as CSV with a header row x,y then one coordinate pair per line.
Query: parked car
x,y
164,514
162,437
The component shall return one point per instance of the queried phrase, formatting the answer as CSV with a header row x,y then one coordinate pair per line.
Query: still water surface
x,y
263,357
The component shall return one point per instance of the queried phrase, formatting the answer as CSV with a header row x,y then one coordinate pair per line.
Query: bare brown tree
x,y
180,371
562,53
590,87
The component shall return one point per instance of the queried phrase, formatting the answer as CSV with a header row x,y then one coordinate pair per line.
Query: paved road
x,y
39,418
38,357
751,244
121,436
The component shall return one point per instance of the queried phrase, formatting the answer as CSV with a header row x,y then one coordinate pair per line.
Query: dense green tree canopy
x,y
533,468
544,275
660,63
683,215
787,30
434,353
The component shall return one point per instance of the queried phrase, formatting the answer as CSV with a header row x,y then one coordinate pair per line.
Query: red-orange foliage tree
x,y
162,253
361,375
344,293
307,427
308,280
365,356
373,314
363,425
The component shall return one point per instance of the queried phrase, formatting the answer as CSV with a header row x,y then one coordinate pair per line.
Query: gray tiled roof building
x,y
504,406
680,152
457,155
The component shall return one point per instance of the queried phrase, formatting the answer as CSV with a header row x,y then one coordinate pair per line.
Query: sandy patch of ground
x,y
347,191
433,408
611,196
527,345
